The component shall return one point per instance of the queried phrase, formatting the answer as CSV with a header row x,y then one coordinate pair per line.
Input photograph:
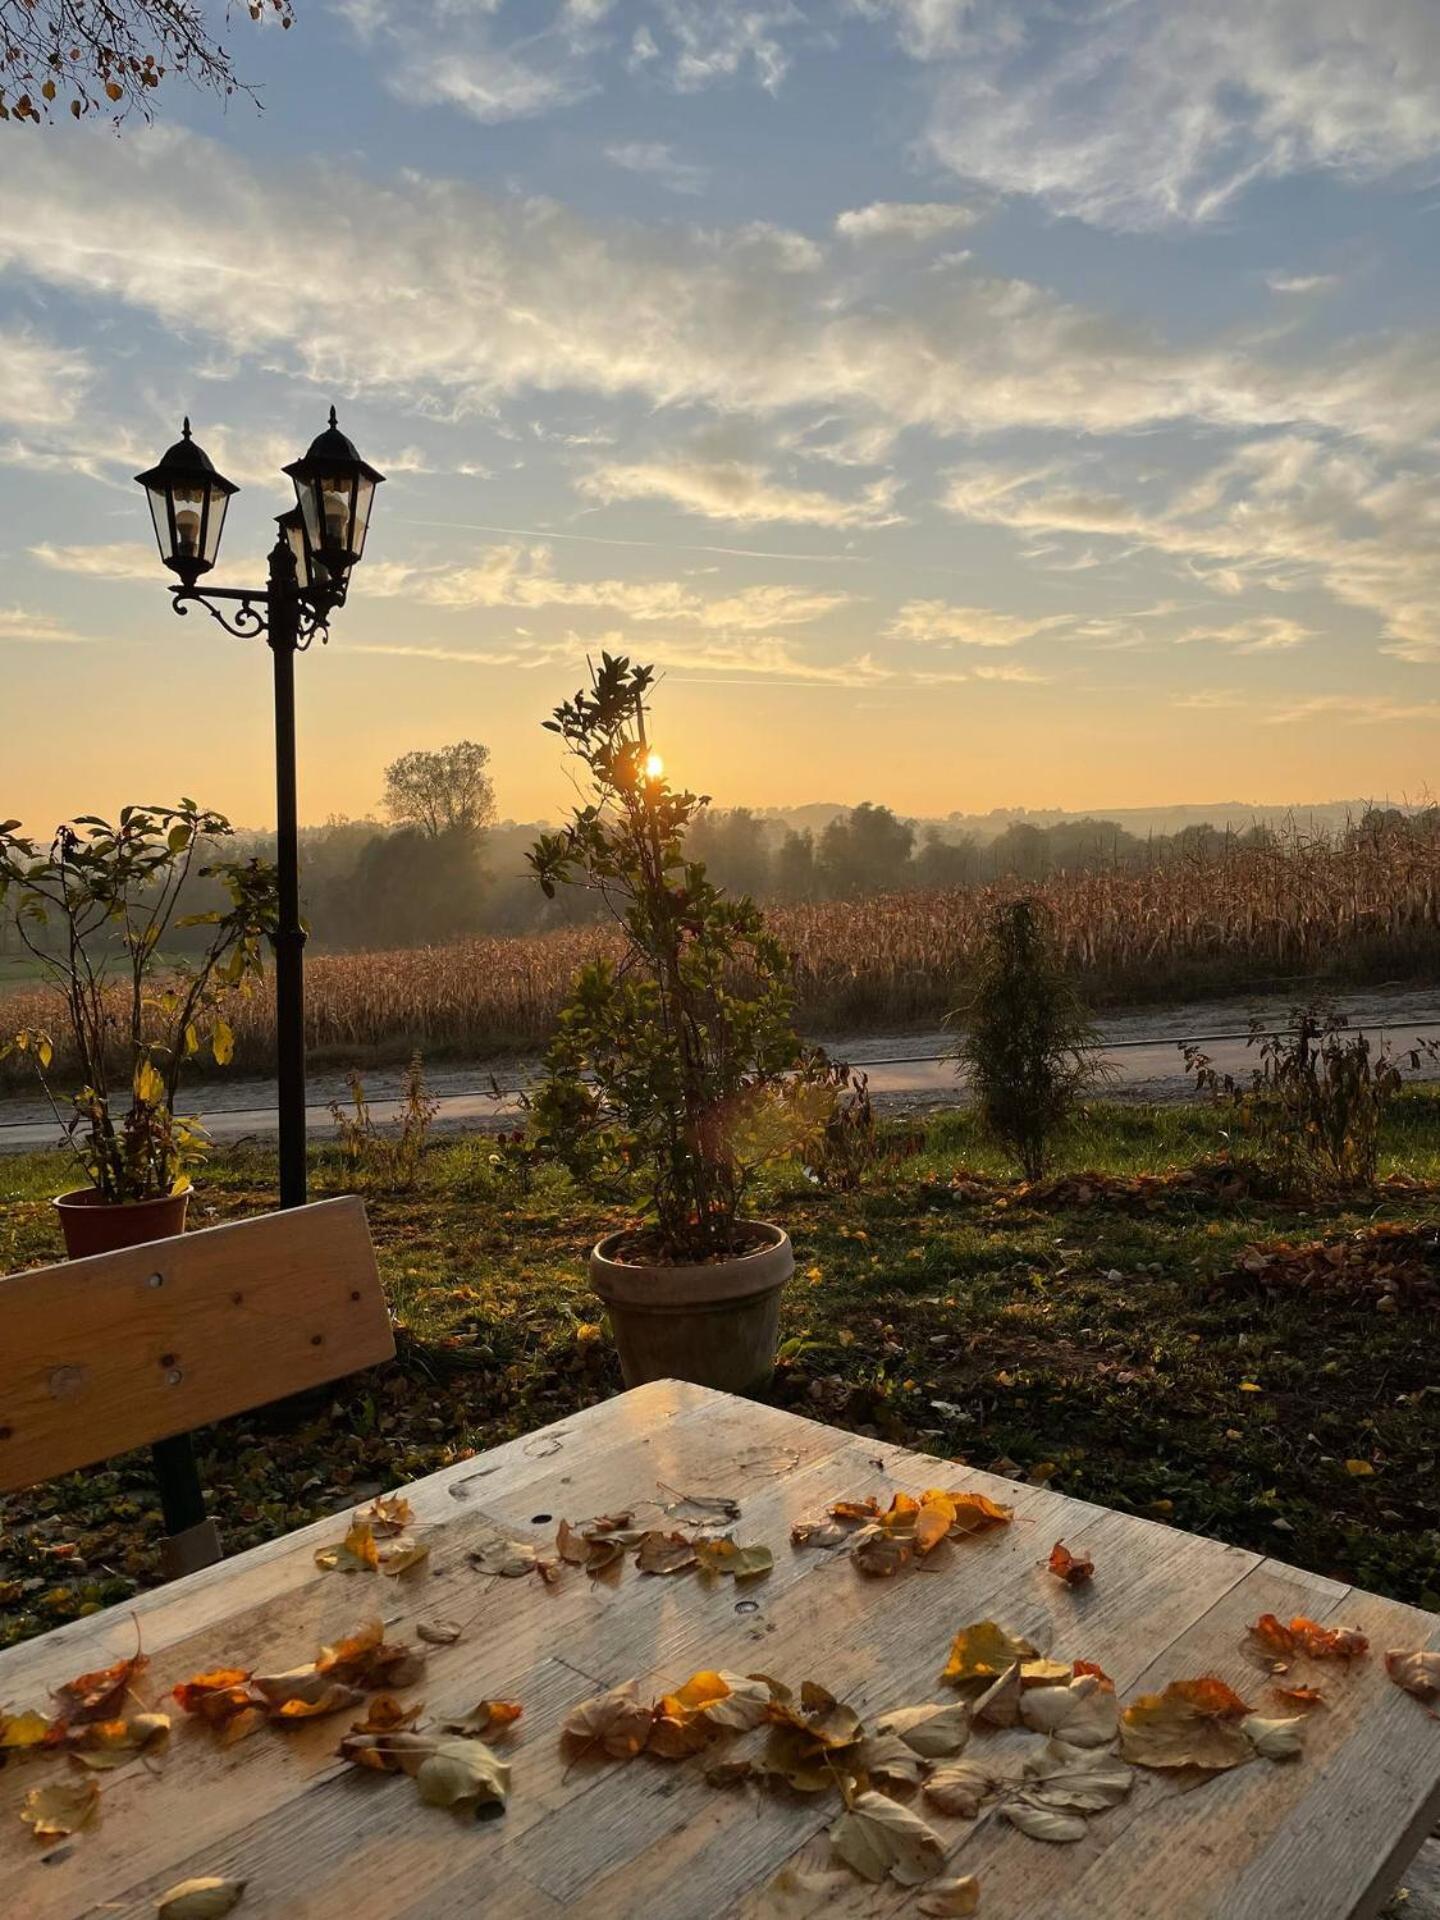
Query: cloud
x,y
1300,283
41,384
430,51
1140,116
1277,514
661,162
739,491
1358,709
1263,634
938,623
916,221
461,298
119,560
38,629
517,576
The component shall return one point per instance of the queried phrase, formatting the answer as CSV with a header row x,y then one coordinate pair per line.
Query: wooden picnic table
x,y
1319,1837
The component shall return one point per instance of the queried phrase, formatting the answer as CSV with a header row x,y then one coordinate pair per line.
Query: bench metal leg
x,y
194,1539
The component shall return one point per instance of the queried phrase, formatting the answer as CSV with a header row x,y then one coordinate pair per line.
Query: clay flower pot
x,y
92,1224
716,1324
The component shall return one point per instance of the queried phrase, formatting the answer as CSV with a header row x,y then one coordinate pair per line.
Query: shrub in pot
x,y
94,911
671,1075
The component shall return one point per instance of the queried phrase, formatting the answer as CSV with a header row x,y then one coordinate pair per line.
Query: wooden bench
x,y
140,1347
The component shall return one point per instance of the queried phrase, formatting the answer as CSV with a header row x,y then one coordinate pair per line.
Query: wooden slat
x,y
1313,1840
127,1348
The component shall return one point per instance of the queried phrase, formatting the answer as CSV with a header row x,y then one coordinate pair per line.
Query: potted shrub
x,y
94,912
670,1076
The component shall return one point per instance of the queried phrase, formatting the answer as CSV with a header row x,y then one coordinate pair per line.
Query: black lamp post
x,y
319,541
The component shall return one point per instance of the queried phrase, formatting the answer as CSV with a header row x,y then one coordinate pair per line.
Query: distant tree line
x,y
437,867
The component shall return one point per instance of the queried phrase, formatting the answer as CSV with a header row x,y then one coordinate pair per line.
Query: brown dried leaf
x,y
999,1705
1193,1723
389,1513
1076,1781
885,1756
1274,1739
935,1732
951,1899
876,1836
664,1552
881,1554
438,1633
1044,1823
1417,1673
493,1553
819,1533
106,1744
1073,1568
462,1773
961,1789
723,1556
368,1660
614,1723
486,1716
356,1553
97,1696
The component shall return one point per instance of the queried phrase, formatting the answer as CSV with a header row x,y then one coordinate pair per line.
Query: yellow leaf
x,y
461,1771
1249,1386
1360,1469
981,1653
25,1729
723,1556
56,1811
205,1898
356,1552
149,1085
1193,1723
222,1043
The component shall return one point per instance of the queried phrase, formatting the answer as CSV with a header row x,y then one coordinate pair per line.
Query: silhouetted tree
x,y
444,790
865,851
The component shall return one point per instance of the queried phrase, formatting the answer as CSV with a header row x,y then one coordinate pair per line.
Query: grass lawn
x,y
1089,1337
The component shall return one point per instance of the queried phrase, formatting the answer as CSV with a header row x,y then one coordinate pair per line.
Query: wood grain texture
x,y
1321,1838
127,1348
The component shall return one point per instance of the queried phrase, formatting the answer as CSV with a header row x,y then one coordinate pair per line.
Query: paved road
x,y
906,1070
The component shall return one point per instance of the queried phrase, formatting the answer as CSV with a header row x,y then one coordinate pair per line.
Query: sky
x,y
964,403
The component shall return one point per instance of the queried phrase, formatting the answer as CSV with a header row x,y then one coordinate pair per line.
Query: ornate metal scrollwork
x,y
249,620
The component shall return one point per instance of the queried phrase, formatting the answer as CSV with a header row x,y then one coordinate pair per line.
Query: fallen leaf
x,y
960,1789
1274,1739
389,1513
58,1810
877,1837
977,1513
106,1744
356,1553
96,1696
385,1714
1073,1568
745,1702
21,1730
1044,1823
1076,1781
205,1898
438,1633
855,1511
493,1553
664,1552
876,1552
401,1555
950,1899
885,1756
1417,1673
368,1660
1083,1713
1300,1696
723,1556
1046,1673
980,1654
999,1705
818,1533
1191,1724
1088,1666
462,1773
934,1520
614,1723
1272,1637
487,1716
1359,1469
222,1699
935,1732
673,1738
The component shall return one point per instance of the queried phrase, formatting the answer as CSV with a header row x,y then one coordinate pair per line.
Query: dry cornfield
x,y
1250,918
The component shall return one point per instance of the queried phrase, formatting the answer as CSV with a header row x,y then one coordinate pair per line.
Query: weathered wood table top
x,y
1317,1837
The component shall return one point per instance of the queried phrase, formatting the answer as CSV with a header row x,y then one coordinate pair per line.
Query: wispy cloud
x,y
911,220
938,623
37,629
742,492
660,162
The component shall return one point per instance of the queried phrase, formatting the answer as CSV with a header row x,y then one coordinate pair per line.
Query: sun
x,y
654,766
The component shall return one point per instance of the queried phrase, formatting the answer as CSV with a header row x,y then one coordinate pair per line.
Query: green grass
x,y
1089,1344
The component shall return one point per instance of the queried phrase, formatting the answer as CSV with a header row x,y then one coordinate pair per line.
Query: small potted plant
x,y
671,1075
94,912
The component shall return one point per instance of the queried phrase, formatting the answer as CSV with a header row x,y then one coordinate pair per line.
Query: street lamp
x,y
319,540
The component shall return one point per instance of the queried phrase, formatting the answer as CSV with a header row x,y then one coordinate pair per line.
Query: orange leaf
x,y
856,1510
1082,1667
95,1696
1327,1643
1214,1698
977,1513
1299,1696
1073,1568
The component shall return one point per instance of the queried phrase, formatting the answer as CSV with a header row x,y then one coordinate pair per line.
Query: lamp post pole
x,y
319,541
283,634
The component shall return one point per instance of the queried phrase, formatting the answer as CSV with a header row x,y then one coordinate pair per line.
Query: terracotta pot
x,y
95,1225
716,1324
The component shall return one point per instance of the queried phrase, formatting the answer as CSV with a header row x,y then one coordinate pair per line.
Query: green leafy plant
x,y
1313,1106
93,911
1027,1045
670,1071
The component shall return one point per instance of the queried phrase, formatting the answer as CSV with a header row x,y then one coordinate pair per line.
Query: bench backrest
x,y
101,1355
